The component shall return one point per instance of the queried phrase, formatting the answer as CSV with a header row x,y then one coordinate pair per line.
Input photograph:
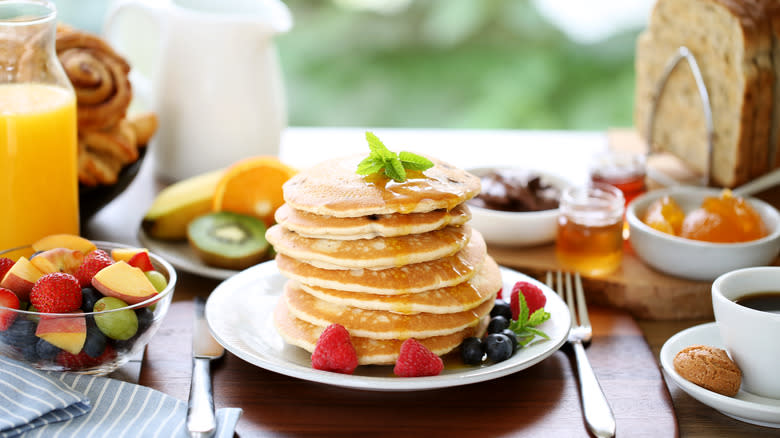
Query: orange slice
x,y
253,187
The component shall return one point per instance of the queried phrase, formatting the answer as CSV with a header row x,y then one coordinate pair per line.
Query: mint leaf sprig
x,y
394,165
524,326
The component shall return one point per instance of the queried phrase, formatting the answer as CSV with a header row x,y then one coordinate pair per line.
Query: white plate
x,y
182,257
744,406
239,313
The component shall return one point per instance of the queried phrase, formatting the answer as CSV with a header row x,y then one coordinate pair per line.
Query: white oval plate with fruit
x,y
181,255
239,313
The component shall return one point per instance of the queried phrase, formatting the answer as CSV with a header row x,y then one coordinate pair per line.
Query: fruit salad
x,y
73,306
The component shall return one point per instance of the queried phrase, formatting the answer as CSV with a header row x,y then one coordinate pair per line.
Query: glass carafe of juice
x,y
38,137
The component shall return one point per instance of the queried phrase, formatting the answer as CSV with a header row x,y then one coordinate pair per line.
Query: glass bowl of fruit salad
x,y
78,305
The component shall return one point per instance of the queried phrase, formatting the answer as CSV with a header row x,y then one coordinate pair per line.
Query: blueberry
x,y
30,352
512,337
471,351
21,333
498,347
89,297
501,308
45,350
95,343
497,323
145,318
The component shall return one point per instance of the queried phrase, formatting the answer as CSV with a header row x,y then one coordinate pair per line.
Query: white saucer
x,y
744,406
239,312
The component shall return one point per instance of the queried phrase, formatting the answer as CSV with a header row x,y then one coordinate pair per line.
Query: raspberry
x,y
416,361
56,293
92,264
5,266
534,298
334,351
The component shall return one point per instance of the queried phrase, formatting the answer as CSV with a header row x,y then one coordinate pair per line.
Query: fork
x,y
598,414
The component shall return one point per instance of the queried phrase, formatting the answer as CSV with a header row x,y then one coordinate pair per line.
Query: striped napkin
x,y
37,403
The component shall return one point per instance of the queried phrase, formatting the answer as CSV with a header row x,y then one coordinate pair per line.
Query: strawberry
x,y
534,298
10,300
141,260
499,294
334,351
415,360
5,266
56,293
92,264
72,361
82,360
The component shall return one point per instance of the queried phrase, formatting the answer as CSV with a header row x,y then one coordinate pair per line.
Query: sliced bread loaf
x,y
732,49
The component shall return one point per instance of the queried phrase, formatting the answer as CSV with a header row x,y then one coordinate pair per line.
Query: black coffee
x,y
764,301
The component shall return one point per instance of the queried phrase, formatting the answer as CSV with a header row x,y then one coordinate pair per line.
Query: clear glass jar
x,y
38,131
590,229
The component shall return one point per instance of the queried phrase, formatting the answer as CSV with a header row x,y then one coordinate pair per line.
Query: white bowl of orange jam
x,y
694,259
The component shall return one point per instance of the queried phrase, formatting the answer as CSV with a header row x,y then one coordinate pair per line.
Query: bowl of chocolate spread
x,y
516,207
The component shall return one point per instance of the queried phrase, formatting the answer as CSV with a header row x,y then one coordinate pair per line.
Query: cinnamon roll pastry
x,y
98,75
144,125
102,154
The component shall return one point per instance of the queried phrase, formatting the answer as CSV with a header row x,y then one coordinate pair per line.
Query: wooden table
x,y
542,400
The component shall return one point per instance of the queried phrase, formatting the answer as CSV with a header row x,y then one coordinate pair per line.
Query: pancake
x,y
369,351
377,253
367,227
332,188
452,299
380,324
418,277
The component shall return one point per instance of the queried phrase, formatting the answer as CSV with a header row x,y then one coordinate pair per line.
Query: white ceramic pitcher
x,y
212,75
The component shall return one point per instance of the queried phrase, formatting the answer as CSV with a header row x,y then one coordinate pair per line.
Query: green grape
x,y
157,279
120,325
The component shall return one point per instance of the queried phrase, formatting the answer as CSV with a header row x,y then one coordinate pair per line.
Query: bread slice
x,y
773,17
732,51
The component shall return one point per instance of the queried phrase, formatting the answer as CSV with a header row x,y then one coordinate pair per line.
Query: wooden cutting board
x,y
635,287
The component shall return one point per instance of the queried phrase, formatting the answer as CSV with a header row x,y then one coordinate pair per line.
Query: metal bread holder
x,y
759,184
682,54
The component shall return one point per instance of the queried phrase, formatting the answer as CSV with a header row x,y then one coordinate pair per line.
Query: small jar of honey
x,y
590,229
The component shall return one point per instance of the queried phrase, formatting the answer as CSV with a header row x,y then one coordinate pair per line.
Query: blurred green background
x,y
451,64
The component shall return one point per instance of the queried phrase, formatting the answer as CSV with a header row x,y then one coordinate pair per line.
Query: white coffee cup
x,y
752,337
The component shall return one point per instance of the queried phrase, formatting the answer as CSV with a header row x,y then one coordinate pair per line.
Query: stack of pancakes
x,y
387,260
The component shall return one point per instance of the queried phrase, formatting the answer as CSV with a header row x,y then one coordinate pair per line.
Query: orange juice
x,y
38,168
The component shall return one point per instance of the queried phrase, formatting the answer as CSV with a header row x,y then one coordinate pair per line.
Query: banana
x,y
178,204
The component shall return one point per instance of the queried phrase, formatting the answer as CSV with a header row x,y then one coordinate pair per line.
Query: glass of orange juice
x,y
38,136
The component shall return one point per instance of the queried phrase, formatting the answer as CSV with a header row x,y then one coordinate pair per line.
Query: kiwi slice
x,y
228,240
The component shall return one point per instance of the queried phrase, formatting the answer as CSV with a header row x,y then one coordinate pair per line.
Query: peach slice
x,y
21,278
70,241
125,254
66,332
58,260
125,282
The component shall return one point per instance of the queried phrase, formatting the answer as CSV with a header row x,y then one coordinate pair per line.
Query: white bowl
x,y
517,228
693,259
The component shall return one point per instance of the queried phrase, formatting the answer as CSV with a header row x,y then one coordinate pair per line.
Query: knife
x,y
201,421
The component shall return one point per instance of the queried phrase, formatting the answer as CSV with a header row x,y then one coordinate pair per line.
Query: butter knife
x,y
201,421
